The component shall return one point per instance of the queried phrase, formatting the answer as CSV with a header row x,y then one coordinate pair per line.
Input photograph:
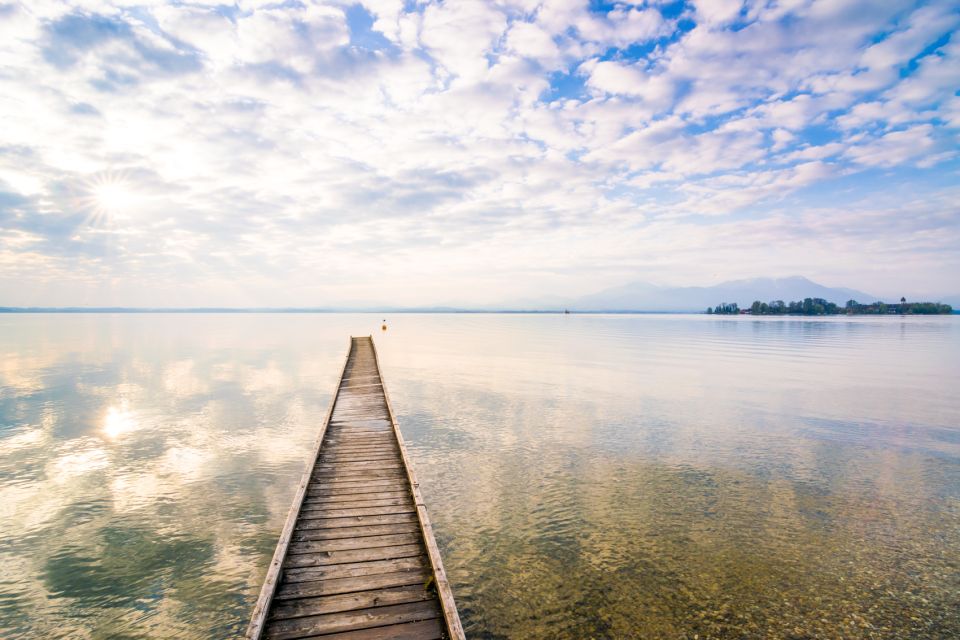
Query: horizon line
x,y
322,310
333,310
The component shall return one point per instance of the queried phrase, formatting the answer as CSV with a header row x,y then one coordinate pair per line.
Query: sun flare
x,y
114,196
110,196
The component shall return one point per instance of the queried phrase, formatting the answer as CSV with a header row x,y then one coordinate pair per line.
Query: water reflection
x,y
587,476
118,422
144,478
654,477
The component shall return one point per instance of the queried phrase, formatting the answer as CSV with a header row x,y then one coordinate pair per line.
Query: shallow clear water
x,y
587,476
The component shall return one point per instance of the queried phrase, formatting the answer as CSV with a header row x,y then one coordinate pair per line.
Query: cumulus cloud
x,y
893,148
267,153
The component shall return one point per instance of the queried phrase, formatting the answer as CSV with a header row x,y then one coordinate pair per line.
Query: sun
x,y
110,196
114,197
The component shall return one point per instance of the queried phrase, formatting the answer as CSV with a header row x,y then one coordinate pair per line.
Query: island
x,y
821,307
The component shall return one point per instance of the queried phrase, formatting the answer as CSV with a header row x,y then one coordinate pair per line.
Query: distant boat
x,y
566,311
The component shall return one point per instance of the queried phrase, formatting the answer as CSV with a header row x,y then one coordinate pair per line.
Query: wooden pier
x,y
356,558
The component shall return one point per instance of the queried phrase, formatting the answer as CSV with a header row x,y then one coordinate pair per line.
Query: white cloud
x,y
290,38
459,34
530,41
718,12
894,148
203,28
476,147
630,80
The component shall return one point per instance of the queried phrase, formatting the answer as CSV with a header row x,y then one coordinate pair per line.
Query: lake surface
x,y
587,476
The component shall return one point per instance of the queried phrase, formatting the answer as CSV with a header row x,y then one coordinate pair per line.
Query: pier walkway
x,y
356,558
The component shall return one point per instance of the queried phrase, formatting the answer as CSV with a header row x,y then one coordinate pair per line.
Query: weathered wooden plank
x,y
354,569
358,501
332,480
384,448
382,486
365,439
363,511
349,602
359,457
380,421
346,451
423,630
359,463
362,440
388,446
378,485
352,459
362,416
312,506
360,475
347,585
390,464
302,535
391,472
355,521
348,486
345,432
343,443
341,544
335,456
353,465
341,433
353,620
385,445
355,496
359,467
354,555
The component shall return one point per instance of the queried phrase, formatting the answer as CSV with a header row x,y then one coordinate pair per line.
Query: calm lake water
x,y
587,476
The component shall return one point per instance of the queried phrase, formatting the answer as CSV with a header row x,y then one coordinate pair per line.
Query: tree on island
x,y
725,309
821,307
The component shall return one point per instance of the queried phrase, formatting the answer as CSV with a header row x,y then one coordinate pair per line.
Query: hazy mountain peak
x,y
643,296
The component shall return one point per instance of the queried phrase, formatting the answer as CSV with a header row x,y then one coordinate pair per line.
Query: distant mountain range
x,y
642,296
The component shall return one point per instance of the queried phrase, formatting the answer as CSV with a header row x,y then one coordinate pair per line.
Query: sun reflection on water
x,y
118,421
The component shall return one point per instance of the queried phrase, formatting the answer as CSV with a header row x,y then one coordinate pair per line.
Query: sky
x,y
412,152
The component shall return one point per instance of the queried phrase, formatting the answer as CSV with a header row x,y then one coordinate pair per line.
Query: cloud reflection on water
x,y
587,476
